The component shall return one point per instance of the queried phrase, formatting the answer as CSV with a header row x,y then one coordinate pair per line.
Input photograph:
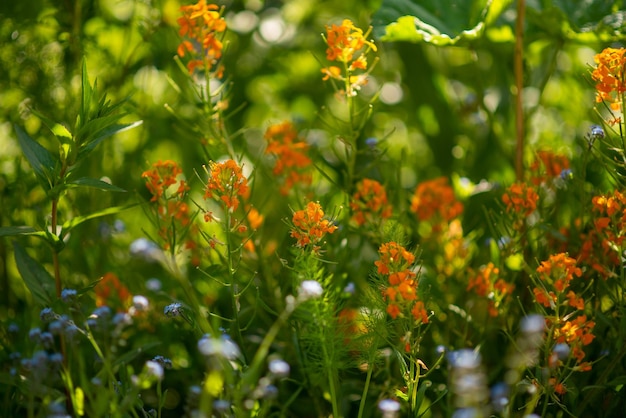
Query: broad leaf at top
x,y
440,22
582,21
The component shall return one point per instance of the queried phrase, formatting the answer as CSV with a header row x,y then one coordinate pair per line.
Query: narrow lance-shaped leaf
x,y
6,231
94,183
105,133
77,220
44,164
37,279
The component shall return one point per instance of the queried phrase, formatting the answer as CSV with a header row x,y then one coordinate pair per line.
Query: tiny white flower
x,y
310,289
154,369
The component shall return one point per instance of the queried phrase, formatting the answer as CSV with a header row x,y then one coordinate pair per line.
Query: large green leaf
x,y
588,21
37,279
440,22
44,164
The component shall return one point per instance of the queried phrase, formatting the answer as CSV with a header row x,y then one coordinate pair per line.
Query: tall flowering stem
x,y
404,307
568,328
227,184
168,189
348,47
202,28
173,220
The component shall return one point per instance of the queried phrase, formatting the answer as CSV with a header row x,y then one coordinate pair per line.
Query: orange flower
x,y
576,331
609,75
369,202
227,183
486,284
290,151
434,200
344,41
169,192
544,298
393,310
547,166
559,270
575,301
309,227
161,176
201,24
520,199
393,258
110,291
401,294
419,312
348,45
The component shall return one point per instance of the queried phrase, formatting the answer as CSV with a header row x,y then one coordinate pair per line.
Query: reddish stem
x,y
519,85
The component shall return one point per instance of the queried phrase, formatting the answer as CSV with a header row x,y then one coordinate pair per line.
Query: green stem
x,y
236,328
190,294
368,379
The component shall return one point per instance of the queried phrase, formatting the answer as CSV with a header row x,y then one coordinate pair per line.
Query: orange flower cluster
x,y
520,199
547,166
169,191
601,245
611,222
609,75
346,45
395,262
309,226
111,292
369,202
434,200
227,183
555,274
201,25
486,283
161,176
290,151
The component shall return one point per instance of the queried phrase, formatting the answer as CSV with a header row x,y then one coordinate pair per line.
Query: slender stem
x,y
55,254
370,369
231,276
519,84
202,321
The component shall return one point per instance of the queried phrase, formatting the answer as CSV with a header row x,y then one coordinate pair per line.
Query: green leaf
x,y
44,164
37,279
439,22
103,134
77,220
94,183
589,21
6,231
131,355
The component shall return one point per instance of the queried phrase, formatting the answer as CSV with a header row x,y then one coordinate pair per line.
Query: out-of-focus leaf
x,y
131,355
37,279
94,183
41,160
103,132
6,231
444,22
77,220
589,21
